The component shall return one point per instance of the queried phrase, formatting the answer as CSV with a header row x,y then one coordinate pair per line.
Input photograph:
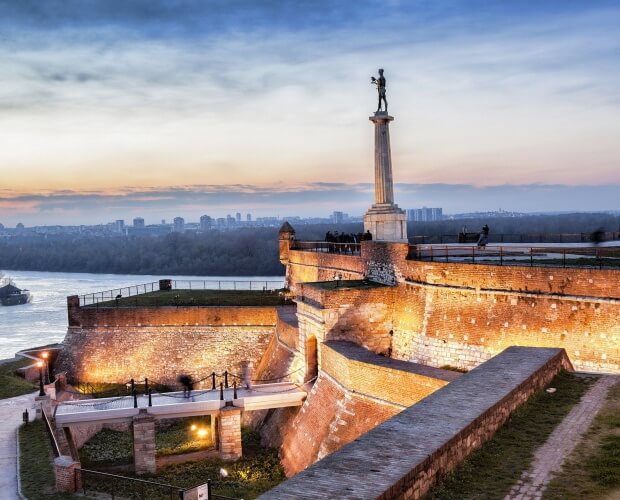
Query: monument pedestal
x,y
386,222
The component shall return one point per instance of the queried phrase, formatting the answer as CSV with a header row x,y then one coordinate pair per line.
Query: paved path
x,y
561,442
10,419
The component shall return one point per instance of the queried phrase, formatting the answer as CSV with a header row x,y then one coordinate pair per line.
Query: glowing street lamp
x,y
45,355
202,433
40,366
193,427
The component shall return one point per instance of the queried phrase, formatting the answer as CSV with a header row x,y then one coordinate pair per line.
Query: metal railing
x,y
134,290
124,487
588,257
51,435
513,238
328,247
128,291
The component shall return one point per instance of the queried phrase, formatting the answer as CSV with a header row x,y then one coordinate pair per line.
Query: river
x,y
44,319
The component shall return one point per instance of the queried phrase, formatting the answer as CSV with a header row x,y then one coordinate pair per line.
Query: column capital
x,y
381,117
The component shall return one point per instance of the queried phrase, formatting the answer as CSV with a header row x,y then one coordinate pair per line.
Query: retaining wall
x,y
402,457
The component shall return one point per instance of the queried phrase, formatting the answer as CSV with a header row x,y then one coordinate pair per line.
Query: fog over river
x,y
44,319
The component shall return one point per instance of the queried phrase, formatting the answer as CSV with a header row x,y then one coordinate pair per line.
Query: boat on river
x,y
10,295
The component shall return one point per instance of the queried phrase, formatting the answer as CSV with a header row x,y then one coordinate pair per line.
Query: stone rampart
x,y
161,353
362,371
306,266
461,314
403,456
90,316
355,391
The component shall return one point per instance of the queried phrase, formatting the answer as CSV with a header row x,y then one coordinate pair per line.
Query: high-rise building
x,y
230,220
138,222
338,217
178,225
119,226
206,223
424,214
238,217
248,217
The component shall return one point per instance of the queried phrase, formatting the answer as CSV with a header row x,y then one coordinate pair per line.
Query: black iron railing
x,y
469,237
135,290
91,481
328,247
551,256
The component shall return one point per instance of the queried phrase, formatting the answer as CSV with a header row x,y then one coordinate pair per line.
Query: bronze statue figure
x,y
380,83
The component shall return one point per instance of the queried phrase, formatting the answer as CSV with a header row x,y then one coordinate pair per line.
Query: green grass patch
x,y
593,469
200,298
111,447
346,284
492,470
257,471
36,463
11,384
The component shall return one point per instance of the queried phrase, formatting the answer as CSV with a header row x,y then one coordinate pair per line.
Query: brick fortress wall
x,y
462,314
116,344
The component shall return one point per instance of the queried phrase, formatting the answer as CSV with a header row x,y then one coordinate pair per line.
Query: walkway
x,y
11,417
175,405
561,442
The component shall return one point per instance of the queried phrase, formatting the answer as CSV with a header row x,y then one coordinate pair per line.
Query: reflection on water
x,y
44,319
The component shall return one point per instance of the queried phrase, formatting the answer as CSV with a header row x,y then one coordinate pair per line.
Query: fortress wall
x,y
602,283
383,378
403,456
318,266
443,325
363,316
330,418
161,353
171,316
356,390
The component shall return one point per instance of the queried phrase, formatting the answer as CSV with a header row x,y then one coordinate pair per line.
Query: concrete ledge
x,y
403,457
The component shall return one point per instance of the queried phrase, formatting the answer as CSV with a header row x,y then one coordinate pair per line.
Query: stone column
x,y
67,480
144,443
384,185
384,220
229,431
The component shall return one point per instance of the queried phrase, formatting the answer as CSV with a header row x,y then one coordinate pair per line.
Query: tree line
x,y
241,252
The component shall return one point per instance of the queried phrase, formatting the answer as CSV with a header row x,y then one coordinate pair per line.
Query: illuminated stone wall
x,y
462,314
116,354
355,391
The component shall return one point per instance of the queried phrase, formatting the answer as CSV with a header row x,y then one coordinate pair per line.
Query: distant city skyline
x,y
151,108
310,200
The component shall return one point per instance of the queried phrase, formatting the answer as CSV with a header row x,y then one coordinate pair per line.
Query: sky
x,y
115,109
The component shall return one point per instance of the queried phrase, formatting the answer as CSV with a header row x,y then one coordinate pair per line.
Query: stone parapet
x,y
405,454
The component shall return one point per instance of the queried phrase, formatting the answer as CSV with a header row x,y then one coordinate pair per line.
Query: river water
x,y
44,319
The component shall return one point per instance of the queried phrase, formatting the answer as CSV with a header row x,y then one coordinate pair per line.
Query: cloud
x,y
311,199
106,93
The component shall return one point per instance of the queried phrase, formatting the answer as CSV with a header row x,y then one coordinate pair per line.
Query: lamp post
x,y
40,366
45,355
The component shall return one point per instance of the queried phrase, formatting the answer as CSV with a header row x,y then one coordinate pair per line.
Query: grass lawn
x,y
491,471
109,447
199,298
36,463
593,469
12,385
256,472
346,284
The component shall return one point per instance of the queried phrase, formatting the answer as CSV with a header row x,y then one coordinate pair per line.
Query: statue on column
x,y
380,83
